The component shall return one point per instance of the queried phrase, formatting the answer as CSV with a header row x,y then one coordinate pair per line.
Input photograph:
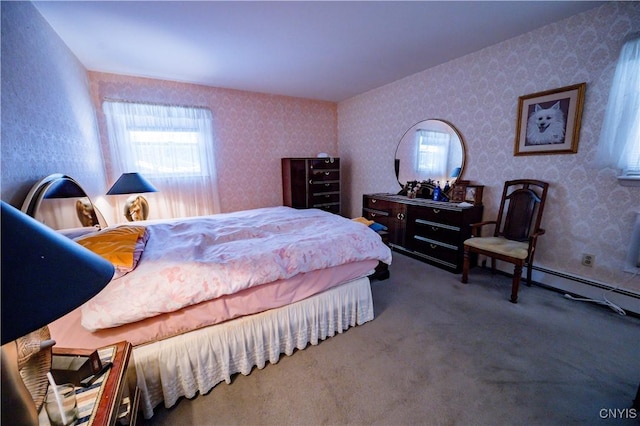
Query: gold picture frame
x,y
549,121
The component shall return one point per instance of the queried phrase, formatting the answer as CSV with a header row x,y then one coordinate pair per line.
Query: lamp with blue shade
x,y
45,275
136,207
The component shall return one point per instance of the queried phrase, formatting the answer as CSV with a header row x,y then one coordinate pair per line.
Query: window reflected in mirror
x,y
431,150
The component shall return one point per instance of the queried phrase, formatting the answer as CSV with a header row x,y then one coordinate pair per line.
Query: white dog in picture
x,y
546,125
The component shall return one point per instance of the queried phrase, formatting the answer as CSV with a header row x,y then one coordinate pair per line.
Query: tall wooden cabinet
x,y
311,183
429,230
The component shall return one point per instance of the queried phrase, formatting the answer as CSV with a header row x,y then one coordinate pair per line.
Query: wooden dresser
x,y
429,230
311,183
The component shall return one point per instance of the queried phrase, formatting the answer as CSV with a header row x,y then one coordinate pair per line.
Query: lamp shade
x,y
131,183
64,188
44,274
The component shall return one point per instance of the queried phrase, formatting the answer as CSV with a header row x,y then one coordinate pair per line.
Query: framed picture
x,y
549,122
458,192
473,194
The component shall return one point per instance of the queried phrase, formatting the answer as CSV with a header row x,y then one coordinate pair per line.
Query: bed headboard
x,y
59,202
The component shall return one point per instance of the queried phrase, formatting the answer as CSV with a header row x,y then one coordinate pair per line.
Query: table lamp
x,y
44,276
136,207
456,172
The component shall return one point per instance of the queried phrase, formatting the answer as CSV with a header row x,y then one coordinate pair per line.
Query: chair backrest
x,y
521,208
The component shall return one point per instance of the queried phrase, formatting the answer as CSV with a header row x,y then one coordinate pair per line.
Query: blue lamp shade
x,y
131,183
44,274
456,172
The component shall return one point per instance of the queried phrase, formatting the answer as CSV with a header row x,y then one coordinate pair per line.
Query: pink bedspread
x,y
194,260
68,332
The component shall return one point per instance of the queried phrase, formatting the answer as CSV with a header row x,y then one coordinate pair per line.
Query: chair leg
x,y
529,274
517,272
465,265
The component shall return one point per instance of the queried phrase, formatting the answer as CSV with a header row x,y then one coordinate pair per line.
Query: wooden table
x,y
112,398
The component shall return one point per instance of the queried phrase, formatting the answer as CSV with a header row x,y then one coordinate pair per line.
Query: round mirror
x,y
431,150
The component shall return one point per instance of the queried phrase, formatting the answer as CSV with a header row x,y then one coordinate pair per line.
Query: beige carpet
x,y
444,353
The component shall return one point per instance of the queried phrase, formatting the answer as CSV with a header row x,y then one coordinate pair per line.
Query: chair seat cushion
x,y
500,245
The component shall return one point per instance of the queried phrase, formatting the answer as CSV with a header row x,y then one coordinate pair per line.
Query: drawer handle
x,y
434,228
372,214
327,185
436,211
373,201
327,196
327,173
311,181
400,216
433,246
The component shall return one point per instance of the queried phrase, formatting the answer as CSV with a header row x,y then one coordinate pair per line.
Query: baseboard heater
x,y
555,280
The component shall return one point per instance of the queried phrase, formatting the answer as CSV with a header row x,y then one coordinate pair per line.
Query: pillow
x,y
122,246
362,220
377,227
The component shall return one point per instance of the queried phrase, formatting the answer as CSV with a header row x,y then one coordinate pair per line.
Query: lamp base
x,y
18,407
136,208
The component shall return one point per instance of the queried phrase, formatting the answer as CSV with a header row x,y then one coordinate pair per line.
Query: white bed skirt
x,y
196,361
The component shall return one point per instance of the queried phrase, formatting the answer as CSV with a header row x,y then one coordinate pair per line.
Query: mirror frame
x,y
463,147
43,188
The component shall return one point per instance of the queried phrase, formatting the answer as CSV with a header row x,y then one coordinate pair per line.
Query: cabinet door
x,y
387,213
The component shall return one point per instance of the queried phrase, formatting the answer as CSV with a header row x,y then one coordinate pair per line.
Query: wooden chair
x,y
516,230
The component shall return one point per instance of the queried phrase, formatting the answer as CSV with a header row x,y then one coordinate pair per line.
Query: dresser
x,y
311,183
431,231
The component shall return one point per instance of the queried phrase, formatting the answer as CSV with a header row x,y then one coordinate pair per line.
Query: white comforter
x,y
193,260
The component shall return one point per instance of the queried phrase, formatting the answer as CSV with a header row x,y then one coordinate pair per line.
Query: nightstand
x,y
113,398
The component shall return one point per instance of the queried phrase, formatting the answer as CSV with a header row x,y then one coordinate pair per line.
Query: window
x,y
433,150
175,151
172,146
619,145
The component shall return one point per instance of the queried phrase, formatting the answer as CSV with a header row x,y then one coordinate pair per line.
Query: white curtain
x,y
171,146
619,145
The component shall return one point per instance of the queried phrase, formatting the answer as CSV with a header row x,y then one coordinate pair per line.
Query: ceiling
x,y
321,50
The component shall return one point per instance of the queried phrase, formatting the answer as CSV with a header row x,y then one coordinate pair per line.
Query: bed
x,y
213,296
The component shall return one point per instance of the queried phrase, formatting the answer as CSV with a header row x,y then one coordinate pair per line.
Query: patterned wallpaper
x,y
587,210
49,125
48,122
252,131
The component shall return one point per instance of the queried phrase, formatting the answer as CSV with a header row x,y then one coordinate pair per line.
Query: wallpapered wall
x,y
252,131
49,125
48,122
587,210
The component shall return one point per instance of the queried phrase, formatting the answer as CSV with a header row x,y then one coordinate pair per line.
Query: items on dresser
x,y
430,230
311,183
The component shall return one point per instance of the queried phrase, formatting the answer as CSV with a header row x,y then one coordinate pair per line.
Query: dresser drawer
x,y
329,207
320,187
437,215
377,204
379,217
437,231
324,163
436,250
324,198
317,176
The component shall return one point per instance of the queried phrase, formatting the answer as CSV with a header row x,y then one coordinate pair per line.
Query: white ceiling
x,y
313,49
